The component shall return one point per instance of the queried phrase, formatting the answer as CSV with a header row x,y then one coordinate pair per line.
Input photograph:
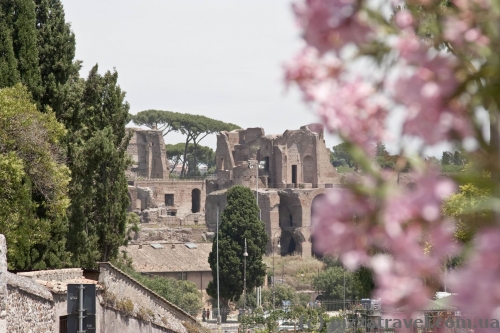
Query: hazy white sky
x,y
218,58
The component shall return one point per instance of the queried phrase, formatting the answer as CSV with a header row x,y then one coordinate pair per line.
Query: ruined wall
x,y
28,311
269,213
306,150
112,320
297,158
188,195
29,306
120,286
54,274
147,150
216,199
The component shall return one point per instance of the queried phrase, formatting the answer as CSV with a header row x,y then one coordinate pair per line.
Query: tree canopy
x,y
330,283
204,155
98,186
33,195
341,155
37,49
194,127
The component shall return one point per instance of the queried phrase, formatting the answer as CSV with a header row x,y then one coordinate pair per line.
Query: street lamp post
x,y
274,276
218,299
344,289
245,255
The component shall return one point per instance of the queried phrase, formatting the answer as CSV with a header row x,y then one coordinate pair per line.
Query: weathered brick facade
x,y
294,168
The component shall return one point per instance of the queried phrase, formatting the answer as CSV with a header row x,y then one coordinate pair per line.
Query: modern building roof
x,y
178,257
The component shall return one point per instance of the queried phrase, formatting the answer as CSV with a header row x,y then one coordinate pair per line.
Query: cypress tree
x,y
25,44
99,188
239,221
9,75
56,51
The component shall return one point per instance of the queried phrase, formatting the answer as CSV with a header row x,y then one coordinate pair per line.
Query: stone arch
x,y
289,245
290,211
195,200
308,169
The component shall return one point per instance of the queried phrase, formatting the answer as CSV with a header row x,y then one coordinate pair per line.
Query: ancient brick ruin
x,y
291,169
153,195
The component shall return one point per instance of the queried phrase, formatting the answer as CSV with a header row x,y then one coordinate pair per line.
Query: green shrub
x,y
126,306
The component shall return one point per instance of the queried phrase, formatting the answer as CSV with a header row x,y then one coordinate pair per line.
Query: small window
x,y
182,276
63,324
169,199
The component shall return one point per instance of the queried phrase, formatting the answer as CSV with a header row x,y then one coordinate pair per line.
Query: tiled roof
x,y
180,258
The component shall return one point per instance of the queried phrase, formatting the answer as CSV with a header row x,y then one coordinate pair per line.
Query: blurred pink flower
x,y
329,24
425,85
477,284
354,110
339,227
404,19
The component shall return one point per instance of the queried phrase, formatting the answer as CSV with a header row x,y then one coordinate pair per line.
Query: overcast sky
x,y
218,58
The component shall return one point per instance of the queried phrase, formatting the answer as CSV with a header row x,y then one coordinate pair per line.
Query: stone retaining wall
x,y
120,289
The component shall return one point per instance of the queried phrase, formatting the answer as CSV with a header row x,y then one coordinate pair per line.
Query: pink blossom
x,y
310,72
404,19
339,227
477,284
330,24
354,110
397,286
425,85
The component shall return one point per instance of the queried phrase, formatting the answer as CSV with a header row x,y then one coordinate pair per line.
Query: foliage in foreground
x,y
435,63
37,49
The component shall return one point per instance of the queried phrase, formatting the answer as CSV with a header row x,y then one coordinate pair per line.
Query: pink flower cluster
x,y
404,225
425,86
330,24
478,284
352,225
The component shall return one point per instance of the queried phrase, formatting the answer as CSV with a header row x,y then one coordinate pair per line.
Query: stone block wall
x,y
54,274
147,150
183,192
27,306
115,321
120,287
28,312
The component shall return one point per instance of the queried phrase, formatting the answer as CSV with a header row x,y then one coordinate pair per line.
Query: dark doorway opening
x,y
169,199
195,200
266,165
294,174
292,246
